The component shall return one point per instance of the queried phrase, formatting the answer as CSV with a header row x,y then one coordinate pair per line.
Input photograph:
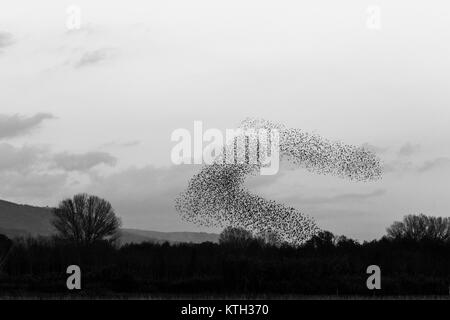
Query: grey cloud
x,y
408,149
164,179
442,162
398,166
23,173
144,197
6,39
373,148
18,159
15,125
82,162
93,57
130,143
33,185
125,144
345,197
254,182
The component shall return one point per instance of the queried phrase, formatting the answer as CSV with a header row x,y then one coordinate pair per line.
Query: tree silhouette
x,y
323,240
5,246
270,237
86,219
235,235
420,227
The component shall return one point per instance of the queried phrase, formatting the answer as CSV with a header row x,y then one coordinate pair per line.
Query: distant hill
x,y
18,220
21,220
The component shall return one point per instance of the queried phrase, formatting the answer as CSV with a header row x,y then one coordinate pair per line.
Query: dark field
x,y
252,270
262,297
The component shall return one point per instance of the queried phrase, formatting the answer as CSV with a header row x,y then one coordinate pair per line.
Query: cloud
x,y
25,176
397,166
345,197
442,162
400,166
124,144
373,148
257,181
144,197
82,162
16,125
34,185
93,57
18,159
408,149
29,171
6,39
130,143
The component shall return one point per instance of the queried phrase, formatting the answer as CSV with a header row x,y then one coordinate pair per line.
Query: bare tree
x,y
420,227
323,240
86,219
235,235
270,237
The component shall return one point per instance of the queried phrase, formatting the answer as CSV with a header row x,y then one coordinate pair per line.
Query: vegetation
x,y
239,264
235,236
85,219
414,259
421,228
5,246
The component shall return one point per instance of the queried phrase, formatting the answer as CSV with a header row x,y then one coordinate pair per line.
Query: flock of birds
x,y
216,196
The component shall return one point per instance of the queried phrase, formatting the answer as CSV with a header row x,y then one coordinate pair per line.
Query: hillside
x,y
21,220
18,220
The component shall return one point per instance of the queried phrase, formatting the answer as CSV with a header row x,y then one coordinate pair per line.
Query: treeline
x,y
414,258
325,265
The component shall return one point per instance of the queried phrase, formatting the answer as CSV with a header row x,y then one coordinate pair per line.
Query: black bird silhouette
x,y
216,196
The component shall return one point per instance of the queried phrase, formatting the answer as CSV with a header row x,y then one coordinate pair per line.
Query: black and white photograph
x,y
209,151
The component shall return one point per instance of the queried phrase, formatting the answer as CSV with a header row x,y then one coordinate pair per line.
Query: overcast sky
x,y
93,109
